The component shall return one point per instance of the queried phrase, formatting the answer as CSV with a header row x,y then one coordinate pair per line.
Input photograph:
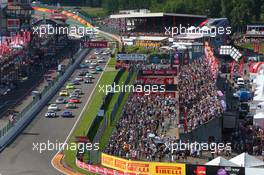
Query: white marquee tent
x,y
246,160
220,161
259,119
254,171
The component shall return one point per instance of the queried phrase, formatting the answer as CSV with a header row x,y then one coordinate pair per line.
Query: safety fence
x,y
100,123
112,165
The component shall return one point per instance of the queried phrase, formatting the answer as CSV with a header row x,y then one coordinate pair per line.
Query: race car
x,y
88,75
64,93
75,82
74,100
77,91
66,114
78,79
70,86
60,100
71,106
93,71
53,107
50,114
98,68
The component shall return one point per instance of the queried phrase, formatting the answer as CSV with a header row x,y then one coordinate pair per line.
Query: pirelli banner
x,y
142,168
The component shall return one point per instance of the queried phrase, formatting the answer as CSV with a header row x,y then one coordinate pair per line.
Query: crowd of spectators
x,y
198,98
140,131
117,24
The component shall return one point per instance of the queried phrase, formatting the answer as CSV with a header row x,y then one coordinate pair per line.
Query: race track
x,y
19,157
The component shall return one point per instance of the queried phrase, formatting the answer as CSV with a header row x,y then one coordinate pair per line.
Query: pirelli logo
x,y
108,161
169,170
137,167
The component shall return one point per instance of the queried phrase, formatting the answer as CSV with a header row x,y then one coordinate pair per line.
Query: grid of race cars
x,y
71,94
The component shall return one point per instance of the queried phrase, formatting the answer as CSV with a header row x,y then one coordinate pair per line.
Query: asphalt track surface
x,y
19,158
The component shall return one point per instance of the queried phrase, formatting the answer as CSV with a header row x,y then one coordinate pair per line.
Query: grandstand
x,y
143,21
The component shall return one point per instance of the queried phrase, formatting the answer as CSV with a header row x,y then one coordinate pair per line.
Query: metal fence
x,y
20,115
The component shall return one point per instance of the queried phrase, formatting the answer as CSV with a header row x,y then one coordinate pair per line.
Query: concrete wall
x,y
203,132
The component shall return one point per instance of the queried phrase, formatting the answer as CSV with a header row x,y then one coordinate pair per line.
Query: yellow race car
x,y
64,93
70,86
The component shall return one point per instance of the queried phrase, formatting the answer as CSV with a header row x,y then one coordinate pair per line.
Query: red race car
x,y
74,100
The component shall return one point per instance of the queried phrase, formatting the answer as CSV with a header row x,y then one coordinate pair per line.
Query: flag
x,y
241,67
250,65
232,66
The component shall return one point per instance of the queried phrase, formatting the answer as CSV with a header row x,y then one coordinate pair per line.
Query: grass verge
x,y
71,156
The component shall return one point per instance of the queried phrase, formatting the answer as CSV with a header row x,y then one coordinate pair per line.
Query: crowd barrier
x,y
31,111
118,166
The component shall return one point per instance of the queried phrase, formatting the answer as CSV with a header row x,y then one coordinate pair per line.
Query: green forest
x,y
239,12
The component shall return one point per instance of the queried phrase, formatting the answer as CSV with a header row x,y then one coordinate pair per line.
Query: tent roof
x,y
254,171
246,160
259,115
220,161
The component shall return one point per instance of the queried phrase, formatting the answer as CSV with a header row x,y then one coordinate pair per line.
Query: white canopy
x,y
259,119
259,115
246,160
254,171
220,161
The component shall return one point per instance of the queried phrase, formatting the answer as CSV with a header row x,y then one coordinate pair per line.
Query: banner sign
x,y
13,23
143,168
132,57
95,44
213,170
160,72
161,80
148,44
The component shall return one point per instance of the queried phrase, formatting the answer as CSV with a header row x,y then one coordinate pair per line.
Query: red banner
x,y
147,80
99,169
96,44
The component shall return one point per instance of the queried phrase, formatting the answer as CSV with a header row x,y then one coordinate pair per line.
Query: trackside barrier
x,y
94,155
97,120
120,98
97,169
31,111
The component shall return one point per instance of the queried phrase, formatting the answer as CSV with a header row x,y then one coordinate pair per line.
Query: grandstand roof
x,y
146,15
151,38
